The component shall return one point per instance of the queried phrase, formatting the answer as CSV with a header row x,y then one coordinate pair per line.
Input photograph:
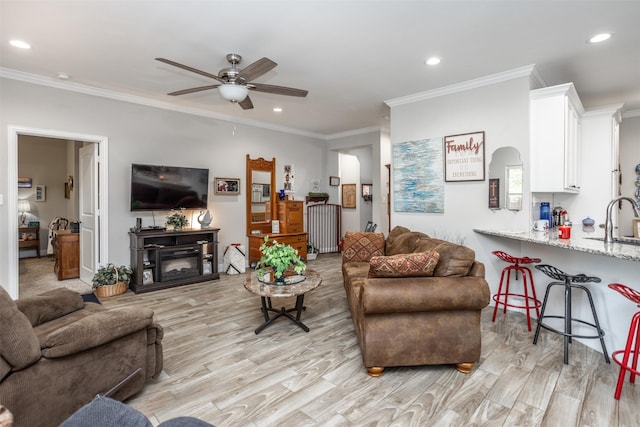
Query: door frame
x,y
12,194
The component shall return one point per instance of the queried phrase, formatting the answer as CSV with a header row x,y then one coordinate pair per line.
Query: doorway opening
x,y
90,173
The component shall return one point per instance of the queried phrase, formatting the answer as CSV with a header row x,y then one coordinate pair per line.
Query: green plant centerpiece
x,y
177,220
279,257
110,275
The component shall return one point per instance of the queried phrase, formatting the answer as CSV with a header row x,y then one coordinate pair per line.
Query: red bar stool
x,y
634,335
502,297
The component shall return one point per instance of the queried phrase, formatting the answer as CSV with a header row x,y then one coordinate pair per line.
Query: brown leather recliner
x,y
414,300
58,352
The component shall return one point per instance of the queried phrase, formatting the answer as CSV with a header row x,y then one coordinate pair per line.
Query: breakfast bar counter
x,y
585,252
584,241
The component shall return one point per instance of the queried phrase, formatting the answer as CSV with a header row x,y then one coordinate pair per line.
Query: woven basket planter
x,y
111,290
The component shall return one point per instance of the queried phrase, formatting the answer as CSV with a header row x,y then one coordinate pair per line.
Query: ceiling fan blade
x,y
279,90
246,104
193,89
255,70
193,70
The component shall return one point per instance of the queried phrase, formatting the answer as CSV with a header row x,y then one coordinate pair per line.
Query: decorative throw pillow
x,y
361,246
420,264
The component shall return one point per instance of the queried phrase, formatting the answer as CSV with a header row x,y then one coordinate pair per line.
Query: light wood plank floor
x,y
217,369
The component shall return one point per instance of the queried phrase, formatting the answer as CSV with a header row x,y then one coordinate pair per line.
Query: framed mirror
x,y
505,179
260,185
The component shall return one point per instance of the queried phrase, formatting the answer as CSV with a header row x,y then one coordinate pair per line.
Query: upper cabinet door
x,y
555,139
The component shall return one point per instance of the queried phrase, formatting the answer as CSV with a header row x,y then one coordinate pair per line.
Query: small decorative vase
x,y
204,219
282,195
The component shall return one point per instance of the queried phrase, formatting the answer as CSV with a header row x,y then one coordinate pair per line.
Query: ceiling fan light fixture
x,y
233,92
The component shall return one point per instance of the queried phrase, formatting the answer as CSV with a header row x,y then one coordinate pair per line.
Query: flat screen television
x,y
162,188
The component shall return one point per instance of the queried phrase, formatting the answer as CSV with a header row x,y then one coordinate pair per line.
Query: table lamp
x,y
24,207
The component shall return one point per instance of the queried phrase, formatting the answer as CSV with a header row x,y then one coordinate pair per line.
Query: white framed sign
x,y
464,157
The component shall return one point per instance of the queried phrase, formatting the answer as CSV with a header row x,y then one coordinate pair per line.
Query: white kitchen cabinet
x,y
555,114
600,163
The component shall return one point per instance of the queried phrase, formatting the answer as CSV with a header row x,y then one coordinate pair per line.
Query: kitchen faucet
x,y
608,226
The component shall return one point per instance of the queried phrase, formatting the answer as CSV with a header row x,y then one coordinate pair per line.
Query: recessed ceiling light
x,y
20,44
600,37
277,110
432,61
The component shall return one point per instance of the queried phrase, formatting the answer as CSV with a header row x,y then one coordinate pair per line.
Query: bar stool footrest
x,y
549,328
634,371
535,302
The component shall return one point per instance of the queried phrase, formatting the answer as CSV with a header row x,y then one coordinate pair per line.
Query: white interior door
x,y
89,211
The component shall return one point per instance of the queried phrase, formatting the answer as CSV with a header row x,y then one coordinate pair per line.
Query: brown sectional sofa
x,y
414,300
57,352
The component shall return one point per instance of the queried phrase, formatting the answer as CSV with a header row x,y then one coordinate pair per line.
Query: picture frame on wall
x,y
494,193
226,186
334,181
24,182
41,193
349,196
464,157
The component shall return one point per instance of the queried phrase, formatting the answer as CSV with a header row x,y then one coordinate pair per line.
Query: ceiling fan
x,y
235,83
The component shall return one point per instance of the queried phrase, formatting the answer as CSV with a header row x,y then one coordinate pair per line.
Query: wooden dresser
x,y
291,216
296,240
67,252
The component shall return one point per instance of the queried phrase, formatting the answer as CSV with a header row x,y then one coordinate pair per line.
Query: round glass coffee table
x,y
267,291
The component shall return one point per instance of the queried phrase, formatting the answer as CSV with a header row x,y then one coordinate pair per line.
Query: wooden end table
x,y
267,291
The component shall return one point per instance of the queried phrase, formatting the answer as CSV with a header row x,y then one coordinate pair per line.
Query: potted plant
x,y
312,251
279,257
111,280
177,220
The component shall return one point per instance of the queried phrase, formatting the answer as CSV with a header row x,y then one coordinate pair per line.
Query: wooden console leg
x,y
465,368
375,371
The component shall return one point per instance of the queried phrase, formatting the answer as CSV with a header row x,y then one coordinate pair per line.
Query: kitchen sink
x,y
622,240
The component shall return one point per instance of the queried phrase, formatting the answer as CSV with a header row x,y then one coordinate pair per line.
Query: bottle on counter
x,y
545,213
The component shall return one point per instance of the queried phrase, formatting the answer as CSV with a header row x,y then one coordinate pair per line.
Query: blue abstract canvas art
x,y
418,176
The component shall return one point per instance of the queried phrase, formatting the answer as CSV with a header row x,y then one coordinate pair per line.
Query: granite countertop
x,y
582,239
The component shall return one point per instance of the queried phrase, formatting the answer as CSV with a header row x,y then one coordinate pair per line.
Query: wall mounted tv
x,y
162,188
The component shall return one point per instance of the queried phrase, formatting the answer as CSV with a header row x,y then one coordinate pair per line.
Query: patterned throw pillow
x,y
420,264
361,246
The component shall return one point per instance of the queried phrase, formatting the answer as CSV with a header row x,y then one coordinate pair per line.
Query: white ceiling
x,y
350,55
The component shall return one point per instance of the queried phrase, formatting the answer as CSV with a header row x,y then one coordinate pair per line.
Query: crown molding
x,y
631,113
149,102
527,71
352,133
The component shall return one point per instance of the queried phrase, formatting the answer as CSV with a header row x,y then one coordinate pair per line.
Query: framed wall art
x,y
41,193
334,181
494,193
418,184
227,186
464,157
367,192
24,182
349,196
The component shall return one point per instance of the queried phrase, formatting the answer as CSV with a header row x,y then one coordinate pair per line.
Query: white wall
x,y
350,174
502,112
142,134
